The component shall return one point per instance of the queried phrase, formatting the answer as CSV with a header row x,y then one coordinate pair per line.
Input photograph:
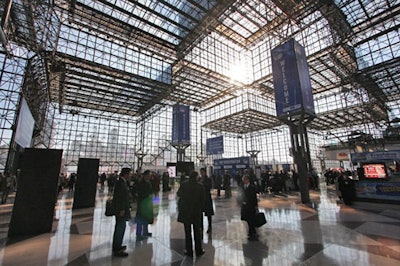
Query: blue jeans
x,y
142,226
119,231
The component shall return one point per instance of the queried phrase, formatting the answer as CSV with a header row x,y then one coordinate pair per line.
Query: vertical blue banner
x,y
293,92
180,124
304,79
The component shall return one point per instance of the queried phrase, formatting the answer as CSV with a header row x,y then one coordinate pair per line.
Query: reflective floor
x,y
327,233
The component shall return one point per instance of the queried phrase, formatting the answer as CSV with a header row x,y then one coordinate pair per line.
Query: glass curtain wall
x,y
110,140
11,80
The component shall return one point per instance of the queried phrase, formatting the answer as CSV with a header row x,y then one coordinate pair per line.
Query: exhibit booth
x,y
379,175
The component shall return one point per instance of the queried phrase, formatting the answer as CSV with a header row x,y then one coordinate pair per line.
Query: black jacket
x,y
121,198
191,202
249,203
208,203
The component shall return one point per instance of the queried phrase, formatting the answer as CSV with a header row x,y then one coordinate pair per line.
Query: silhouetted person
x,y
227,184
249,207
122,212
208,204
347,189
218,184
71,182
165,182
103,178
144,213
190,206
112,179
5,183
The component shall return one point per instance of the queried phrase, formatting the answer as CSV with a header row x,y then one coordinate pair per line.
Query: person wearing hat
x,y
121,205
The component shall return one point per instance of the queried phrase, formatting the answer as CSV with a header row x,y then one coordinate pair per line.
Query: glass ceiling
x,y
127,57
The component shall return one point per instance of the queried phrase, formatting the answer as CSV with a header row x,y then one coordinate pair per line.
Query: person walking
x,y
208,204
227,184
190,207
111,180
121,206
5,187
71,182
249,207
103,179
144,212
218,184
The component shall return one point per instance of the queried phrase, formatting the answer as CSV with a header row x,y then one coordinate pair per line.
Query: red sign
x,y
374,171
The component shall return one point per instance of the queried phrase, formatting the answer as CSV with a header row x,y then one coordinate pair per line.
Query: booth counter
x,y
379,175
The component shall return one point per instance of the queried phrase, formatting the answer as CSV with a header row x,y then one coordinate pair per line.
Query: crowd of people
x,y
194,201
275,182
194,198
344,181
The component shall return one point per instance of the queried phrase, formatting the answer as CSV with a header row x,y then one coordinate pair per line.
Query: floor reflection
x,y
328,233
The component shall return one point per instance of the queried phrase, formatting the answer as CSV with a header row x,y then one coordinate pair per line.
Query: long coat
x,y
191,202
249,203
208,204
145,200
121,198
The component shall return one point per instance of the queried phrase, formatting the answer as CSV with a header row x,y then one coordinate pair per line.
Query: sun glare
x,y
238,72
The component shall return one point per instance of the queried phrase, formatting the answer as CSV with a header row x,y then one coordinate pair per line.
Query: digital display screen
x,y
171,171
376,170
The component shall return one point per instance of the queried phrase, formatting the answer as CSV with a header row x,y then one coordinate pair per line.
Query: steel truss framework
x,y
129,61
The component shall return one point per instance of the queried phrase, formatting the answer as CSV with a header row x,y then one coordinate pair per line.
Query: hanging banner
x,y
215,145
180,125
293,92
229,163
376,156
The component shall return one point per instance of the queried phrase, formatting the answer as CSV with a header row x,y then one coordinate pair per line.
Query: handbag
x,y
110,211
260,219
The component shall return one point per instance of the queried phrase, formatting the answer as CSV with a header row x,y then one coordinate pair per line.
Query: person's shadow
x,y
209,256
254,252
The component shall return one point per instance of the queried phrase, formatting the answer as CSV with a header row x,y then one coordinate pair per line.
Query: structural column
x,y
300,152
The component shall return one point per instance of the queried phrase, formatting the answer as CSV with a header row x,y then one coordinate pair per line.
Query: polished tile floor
x,y
326,233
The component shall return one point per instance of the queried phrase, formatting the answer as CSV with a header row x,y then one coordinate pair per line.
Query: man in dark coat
x,y
190,207
208,204
122,212
249,207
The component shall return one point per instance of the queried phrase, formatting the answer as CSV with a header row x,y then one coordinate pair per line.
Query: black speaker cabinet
x,y
36,192
86,183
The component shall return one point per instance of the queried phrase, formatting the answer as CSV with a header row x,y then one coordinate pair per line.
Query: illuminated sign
x,y
377,170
